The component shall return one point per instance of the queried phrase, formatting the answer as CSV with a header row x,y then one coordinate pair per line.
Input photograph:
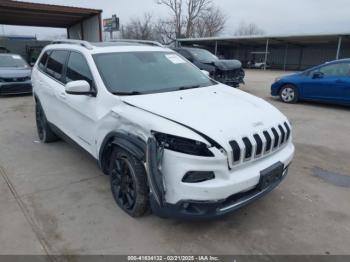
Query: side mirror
x,y
206,73
80,87
317,75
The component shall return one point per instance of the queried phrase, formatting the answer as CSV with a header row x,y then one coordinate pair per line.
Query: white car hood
x,y
219,112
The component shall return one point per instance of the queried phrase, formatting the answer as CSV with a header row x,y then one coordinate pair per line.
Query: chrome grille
x,y
260,144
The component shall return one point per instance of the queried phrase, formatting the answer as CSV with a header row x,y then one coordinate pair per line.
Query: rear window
x,y
56,63
43,60
9,60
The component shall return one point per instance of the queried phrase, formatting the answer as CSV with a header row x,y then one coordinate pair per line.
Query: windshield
x,y
12,61
203,55
136,73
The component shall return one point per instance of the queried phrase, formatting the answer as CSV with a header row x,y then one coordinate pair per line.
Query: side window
x,y
344,69
341,69
56,63
43,60
185,54
78,69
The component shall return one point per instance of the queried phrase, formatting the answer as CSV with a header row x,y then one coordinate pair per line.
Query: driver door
x,y
80,111
321,83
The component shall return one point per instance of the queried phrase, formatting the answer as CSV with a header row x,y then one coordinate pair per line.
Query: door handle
x,y
63,96
340,81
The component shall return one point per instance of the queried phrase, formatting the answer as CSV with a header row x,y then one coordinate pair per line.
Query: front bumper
x,y
194,210
235,82
275,88
231,78
15,88
229,190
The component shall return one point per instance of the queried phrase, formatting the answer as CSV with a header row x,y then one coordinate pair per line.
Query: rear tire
x,y
289,94
129,182
45,134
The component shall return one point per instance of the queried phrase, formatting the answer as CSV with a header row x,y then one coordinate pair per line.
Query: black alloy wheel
x,y
129,182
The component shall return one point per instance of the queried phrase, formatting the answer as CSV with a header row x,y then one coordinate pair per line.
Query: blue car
x,y
329,83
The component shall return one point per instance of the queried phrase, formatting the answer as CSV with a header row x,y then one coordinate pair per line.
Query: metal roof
x,y
260,39
34,14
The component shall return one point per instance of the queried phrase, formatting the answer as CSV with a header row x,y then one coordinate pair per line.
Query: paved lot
x,y
54,199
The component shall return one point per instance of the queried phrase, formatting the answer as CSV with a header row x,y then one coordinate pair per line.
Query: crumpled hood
x,y
220,112
14,72
226,65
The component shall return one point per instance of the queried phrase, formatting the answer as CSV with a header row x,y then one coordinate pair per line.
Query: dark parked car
x,y
15,75
4,50
229,72
329,82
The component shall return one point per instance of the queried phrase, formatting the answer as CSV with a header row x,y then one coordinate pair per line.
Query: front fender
x,y
128,142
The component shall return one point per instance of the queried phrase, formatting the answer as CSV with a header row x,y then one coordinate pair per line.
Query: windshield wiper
x,y
189,87
133,93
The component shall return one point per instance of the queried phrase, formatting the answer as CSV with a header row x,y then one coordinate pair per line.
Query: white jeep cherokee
x,y
170,138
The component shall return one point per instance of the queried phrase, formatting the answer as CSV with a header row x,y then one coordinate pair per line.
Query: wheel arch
x,y
129,142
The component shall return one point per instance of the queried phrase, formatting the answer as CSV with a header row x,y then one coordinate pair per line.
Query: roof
x,y
261,39
34,14
18,37
186,48
106,44
107,47
120,42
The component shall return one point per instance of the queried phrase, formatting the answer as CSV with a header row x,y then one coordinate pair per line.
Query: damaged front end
x,y
154,157
228,72
156,145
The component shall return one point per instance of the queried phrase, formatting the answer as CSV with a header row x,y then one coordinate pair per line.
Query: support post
x,y
301,58
339,47
100,27
82,31
216,48
285,58
266,52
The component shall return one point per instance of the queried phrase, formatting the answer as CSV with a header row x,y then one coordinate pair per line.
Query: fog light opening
x,y
198,176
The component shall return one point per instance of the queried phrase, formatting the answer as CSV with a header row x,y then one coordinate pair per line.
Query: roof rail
x,y
146,42
83,43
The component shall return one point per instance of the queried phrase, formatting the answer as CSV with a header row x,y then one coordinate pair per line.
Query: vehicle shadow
x,y
14,96
323,105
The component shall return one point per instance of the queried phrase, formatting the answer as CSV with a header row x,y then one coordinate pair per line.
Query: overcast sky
x,y
273,16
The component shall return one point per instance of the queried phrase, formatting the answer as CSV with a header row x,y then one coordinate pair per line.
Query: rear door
x,y
40,82
53,85
342,88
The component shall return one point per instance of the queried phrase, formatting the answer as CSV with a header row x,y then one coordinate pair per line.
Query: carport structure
x,y
289,52
81,23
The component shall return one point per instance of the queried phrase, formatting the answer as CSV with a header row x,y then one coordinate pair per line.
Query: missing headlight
x,y
183,145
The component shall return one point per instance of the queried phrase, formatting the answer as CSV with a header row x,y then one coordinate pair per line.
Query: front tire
x,y
289,94
129,183
45,134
